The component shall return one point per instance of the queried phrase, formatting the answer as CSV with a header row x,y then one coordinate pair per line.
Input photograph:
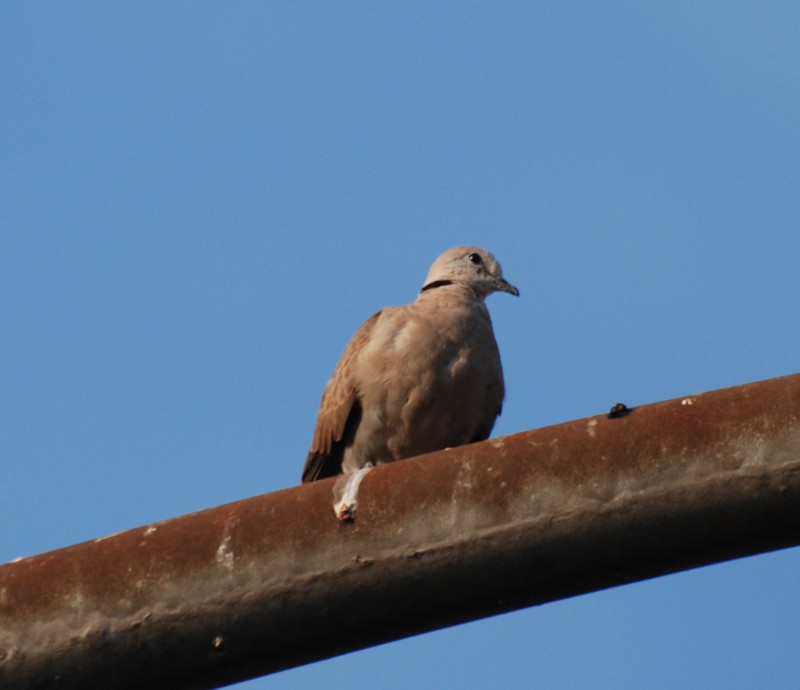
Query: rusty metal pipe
x,y
276,581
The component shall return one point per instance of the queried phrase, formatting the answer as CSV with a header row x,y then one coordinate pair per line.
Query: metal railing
x,y
275,581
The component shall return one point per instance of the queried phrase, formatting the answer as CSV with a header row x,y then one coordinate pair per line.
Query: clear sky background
x,y
200,203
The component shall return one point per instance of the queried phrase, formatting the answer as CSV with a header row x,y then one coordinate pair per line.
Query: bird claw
x,y
346,512
345,494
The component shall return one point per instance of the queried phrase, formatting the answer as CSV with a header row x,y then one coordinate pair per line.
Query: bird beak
x,y
502,285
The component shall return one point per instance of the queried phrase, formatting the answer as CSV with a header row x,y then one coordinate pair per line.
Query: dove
x,y
416,378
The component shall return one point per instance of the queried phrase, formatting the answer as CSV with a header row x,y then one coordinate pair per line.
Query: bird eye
x,y
475,258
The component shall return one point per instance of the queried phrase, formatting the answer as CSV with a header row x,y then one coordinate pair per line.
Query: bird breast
x,y
424,384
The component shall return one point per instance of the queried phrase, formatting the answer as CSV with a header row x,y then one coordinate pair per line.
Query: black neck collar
x,y
435,284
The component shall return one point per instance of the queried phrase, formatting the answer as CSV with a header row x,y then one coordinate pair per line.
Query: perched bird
x,y
417,378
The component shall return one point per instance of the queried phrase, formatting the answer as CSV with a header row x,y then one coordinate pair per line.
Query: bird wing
x,y
339,411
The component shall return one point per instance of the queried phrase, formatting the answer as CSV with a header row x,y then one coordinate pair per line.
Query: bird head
x,y
471,266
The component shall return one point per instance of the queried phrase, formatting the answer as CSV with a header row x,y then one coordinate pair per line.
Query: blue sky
x,y
200,202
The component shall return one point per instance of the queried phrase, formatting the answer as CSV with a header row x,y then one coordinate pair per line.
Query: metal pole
x,y
276,581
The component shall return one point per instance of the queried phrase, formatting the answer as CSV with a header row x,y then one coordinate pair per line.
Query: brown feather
x,y
339,401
